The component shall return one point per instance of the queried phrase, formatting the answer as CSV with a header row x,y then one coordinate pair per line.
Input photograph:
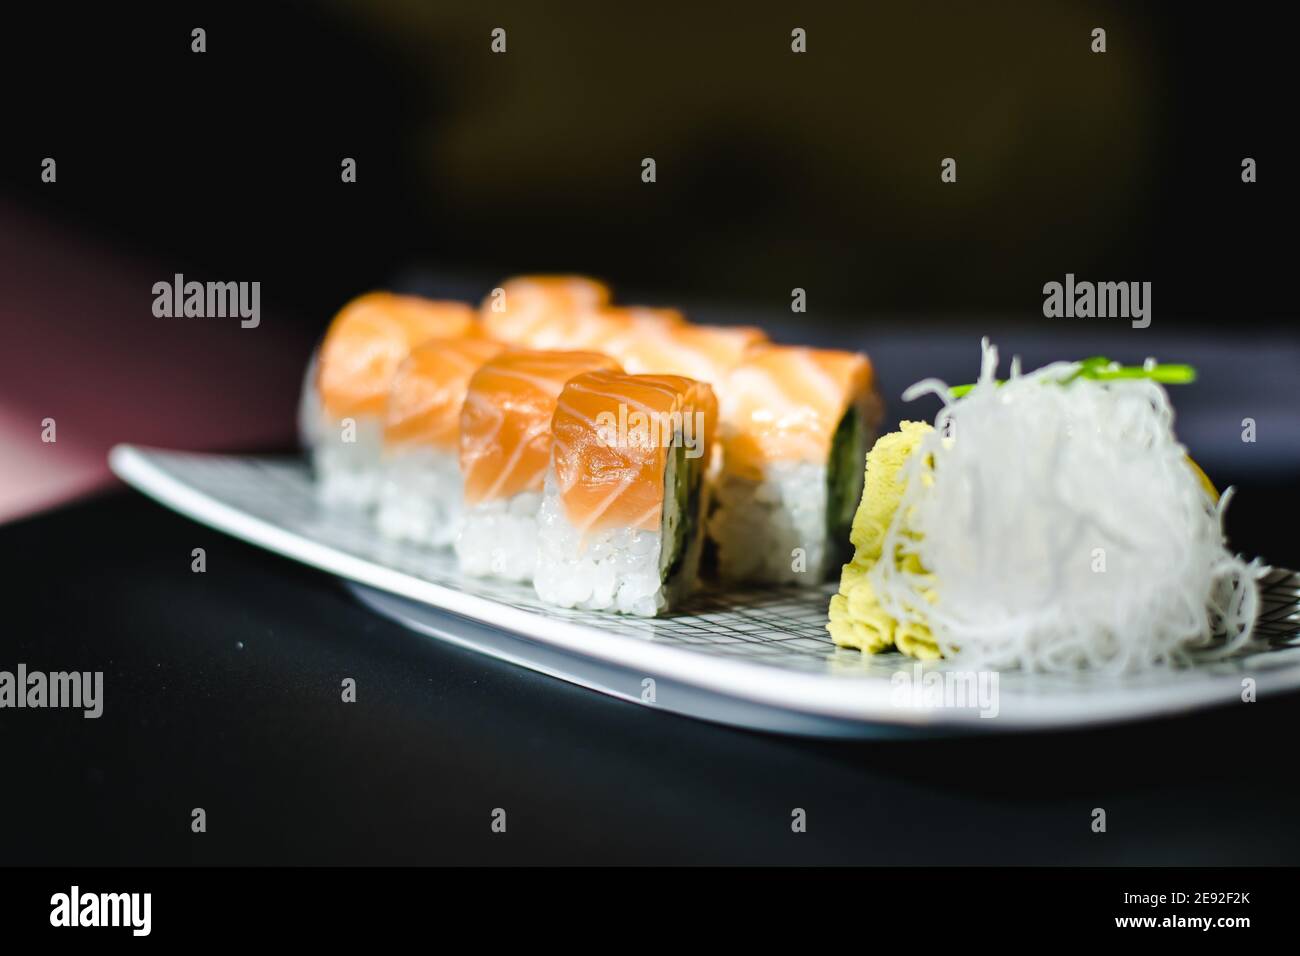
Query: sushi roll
x,y
621,521
505,447
613,328
794,428
420,492
346,391
546,312
706,353
631,318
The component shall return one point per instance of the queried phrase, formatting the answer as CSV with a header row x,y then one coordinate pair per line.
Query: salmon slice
x,y
505,423
783,403
643,316
429,389
605,330
368,340
702,352
543,312
612,434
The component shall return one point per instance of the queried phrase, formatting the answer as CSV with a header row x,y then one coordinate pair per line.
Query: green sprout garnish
x,y
1101,369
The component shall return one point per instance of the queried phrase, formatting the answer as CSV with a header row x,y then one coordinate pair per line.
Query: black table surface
x,y
222,691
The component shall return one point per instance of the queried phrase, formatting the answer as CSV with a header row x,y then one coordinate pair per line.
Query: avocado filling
x,y
683,479
844,474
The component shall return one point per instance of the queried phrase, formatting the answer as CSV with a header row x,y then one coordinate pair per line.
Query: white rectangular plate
x,y
757,658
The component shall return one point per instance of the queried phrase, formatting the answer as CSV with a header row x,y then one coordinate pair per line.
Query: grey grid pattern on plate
x,y
782,627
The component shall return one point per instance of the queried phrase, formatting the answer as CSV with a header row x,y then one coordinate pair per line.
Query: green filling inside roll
x,y
844,474
683,480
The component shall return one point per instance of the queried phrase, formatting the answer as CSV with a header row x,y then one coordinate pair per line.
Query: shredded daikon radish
x,y
1062,527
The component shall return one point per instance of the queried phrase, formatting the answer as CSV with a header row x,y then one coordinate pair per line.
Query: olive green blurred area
x,y
819,169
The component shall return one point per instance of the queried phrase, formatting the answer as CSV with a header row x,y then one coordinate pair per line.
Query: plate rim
x,y
858,698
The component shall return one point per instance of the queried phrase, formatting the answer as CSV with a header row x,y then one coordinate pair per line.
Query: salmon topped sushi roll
x,y
622,517
420,492
609,329
642,317
795,424
505,446
344,397
706,353
546,312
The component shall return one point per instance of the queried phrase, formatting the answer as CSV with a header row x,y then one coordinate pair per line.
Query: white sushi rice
x,y
499,538
347,462
616,569
420,495
345,454
773,530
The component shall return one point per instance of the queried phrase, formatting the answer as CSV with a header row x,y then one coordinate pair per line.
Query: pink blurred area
x,y
79,344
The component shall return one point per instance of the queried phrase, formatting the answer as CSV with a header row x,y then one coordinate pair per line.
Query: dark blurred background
x,y
775,170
